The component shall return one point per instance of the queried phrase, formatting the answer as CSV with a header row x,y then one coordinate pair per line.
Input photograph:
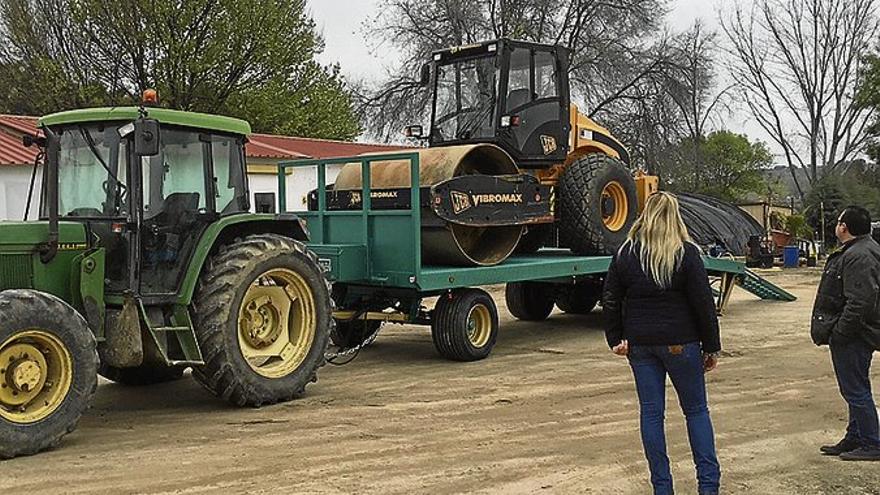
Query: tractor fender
x,y
226,230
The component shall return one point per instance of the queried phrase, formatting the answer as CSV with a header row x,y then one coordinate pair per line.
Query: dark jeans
x,y
851,358
684,365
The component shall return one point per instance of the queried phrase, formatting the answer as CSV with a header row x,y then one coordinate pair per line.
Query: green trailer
x,y
373,257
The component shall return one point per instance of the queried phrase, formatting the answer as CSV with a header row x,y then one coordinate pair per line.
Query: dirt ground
x,y
550,411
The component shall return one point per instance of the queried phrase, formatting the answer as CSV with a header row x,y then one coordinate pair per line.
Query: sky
x,y
342,24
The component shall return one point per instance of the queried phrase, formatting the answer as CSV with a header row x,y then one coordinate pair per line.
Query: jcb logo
x,y
549,144
460,202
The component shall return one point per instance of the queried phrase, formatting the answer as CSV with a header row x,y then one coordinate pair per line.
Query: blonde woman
x,y
660,313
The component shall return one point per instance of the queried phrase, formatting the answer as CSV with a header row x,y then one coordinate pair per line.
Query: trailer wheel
x,y
598,204
580,298
48,371
146,374
262,320
529,301
464,325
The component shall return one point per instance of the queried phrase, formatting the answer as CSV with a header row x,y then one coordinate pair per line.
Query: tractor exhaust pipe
x,y
53,147
447,243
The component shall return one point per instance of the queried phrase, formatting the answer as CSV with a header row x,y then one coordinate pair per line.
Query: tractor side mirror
x,y
414,131
146,137
425,75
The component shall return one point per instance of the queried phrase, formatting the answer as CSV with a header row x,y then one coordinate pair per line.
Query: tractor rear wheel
x,y
580,298
598,204
48,371
262,320
464,325
145,374
529,301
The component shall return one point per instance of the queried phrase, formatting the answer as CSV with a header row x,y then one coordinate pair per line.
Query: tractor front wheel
x,y
48,371
262,320
598,205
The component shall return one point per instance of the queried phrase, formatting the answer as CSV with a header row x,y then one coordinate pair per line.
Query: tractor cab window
x,y
546,78
194,177
465,105
91,173
522,88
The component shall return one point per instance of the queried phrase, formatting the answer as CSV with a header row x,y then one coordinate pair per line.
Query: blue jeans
x,y
684,365
852,363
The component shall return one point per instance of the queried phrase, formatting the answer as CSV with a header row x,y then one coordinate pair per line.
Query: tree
x,y
728,166
796,63
216,56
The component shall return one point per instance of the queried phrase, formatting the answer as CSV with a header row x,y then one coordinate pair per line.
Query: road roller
x,y
511,165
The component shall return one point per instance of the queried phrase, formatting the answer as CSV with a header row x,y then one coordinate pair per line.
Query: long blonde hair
x,y
660,235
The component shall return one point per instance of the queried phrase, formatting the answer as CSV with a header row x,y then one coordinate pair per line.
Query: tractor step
x,y
763,288
172,329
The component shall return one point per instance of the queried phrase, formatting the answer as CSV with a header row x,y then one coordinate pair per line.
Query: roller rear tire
x,y
598,205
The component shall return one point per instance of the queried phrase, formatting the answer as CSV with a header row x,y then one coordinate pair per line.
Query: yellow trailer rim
x,y
615,207
36,373
479,325
277,323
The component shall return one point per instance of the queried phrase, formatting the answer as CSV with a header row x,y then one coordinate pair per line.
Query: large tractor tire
x,y
598,205
529,301
262,320
146,374
580,298
48,371
464,325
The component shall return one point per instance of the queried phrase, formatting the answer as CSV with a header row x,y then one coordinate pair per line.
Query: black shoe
x,y
845,445
862,454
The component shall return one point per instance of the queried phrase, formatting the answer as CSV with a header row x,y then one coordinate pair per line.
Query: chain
x,y
351,352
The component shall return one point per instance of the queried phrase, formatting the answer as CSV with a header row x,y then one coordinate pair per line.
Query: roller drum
x,y
451,244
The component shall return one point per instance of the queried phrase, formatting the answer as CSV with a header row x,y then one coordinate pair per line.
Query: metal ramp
x,y
732,273
762,287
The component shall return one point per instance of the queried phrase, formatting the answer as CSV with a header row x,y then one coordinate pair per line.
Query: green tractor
x,y
146,262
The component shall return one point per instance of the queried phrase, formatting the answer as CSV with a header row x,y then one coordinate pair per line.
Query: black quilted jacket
x,y
638,310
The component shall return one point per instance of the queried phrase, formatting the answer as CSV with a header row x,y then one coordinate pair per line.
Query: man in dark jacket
x,y
846,315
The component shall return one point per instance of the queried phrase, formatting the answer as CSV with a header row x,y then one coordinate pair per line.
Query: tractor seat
x,y
180,211
518,98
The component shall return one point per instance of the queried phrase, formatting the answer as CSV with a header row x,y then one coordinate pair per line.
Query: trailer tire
x,y
464,325
45,395
529,301
138,376
255,355
580,298
598,204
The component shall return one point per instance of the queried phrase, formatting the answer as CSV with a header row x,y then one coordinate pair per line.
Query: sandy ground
x,y
551,411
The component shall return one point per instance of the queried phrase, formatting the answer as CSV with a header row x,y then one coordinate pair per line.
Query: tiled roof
x,y
310,147
261,146
12,151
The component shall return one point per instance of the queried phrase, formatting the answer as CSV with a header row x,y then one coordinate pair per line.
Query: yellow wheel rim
x,y
277,323
479,325
36,372
614,206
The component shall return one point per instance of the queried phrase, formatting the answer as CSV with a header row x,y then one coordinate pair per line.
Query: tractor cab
x,y
510,93
148,210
